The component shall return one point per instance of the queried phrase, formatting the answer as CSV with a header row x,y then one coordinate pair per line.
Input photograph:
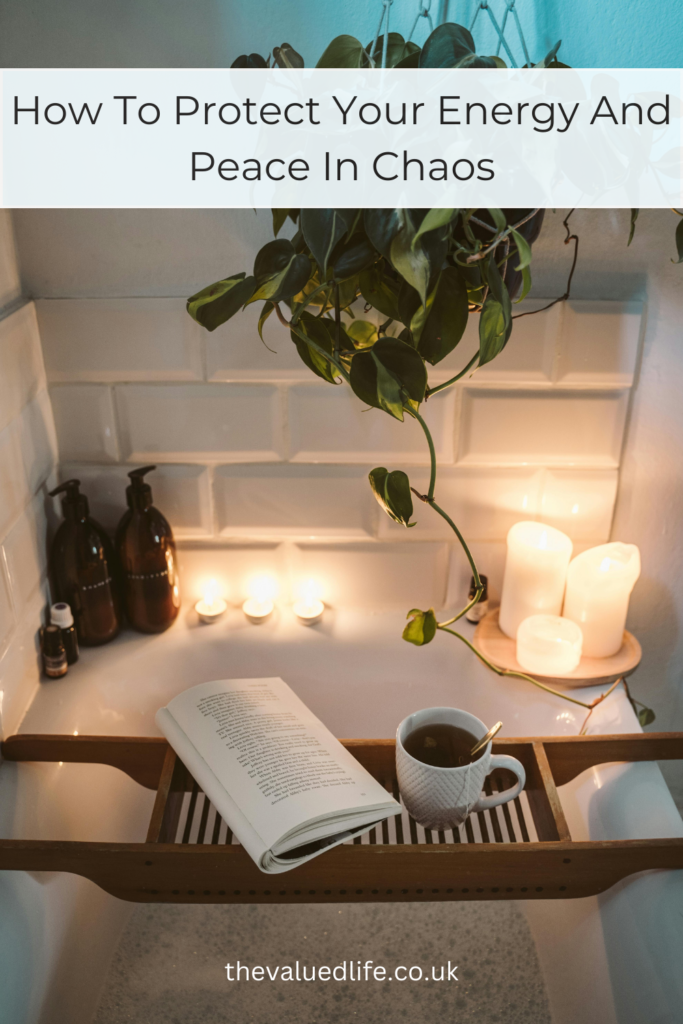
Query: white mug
x,y
440,798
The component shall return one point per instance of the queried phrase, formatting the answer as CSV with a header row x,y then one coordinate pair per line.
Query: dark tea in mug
x,y
442,746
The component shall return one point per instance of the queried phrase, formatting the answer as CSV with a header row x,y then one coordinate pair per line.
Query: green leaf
x,y
362,333
353,257
523,250
634,218
498,62
411,60
279,217
498,217
646,716
495,320
437,218
212,306
408,303
526,284
380,291
679,241
381,227
380,375
550,57
397,49
447,319
322,230
265,313
343,52
251,60
411,261
421,629
392,491
447,46
285,56
280,271
317,331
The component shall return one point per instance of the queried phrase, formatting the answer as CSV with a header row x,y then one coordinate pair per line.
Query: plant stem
x,y
429,498
441,387
311,343
307,301
432,451
516,675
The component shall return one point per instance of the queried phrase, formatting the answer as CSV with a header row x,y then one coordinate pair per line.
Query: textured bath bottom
x,y
170,965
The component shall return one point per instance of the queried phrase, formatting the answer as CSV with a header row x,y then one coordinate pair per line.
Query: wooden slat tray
x,y
522,850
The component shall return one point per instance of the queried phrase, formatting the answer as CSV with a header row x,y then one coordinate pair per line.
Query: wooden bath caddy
x,y
499,648
520,851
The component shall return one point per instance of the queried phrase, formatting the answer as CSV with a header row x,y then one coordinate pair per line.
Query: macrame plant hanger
x,y
423,11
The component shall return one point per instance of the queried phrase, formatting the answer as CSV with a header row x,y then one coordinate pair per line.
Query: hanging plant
x,y
423,272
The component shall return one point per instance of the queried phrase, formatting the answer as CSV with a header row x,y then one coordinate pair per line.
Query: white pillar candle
x,y
599,585
548,645
535,574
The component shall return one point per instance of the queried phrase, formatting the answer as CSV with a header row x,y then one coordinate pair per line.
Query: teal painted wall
x,y
211,33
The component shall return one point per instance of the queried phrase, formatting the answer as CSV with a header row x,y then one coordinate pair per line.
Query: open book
x,y
286,787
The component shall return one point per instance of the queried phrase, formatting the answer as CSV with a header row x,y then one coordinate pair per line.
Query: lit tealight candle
x,y
261,601
599,585
309,609
535,574
211,606
549,645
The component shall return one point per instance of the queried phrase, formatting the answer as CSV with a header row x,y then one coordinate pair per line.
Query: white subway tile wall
x,y
253,449
28,460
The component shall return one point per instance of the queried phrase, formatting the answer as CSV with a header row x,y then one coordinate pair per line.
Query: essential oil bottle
x,y
61,615
55,664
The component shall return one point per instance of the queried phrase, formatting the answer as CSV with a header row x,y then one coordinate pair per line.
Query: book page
x,y
279,763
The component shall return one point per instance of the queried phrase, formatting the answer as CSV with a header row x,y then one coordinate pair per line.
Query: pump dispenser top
x,y
144,541
83,569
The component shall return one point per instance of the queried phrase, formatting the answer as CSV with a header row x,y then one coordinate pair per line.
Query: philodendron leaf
x,y
315,330
381,227
679,241
646,716
411,261
451,46
392,491
322,230
285,56
268,308
447,319
212,306
433,219
280,271
344,52
523,250
549,57
380,291
495,321
381,375
362,333
634,218
279,217
251,60
421,629
397,50
350,258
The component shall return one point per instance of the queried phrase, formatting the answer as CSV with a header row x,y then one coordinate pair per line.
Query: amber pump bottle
x,y
146,549
84,571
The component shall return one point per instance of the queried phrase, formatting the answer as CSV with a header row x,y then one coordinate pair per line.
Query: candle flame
x,y
210,594
543,540
605,565
263,588
575,509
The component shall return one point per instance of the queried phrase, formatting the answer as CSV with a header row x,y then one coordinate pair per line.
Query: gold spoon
x,y
485,739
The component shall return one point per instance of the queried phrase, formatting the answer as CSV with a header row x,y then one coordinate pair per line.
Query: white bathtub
x,y
614,959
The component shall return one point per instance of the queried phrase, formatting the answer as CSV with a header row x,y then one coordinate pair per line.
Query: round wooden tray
x,y
501,650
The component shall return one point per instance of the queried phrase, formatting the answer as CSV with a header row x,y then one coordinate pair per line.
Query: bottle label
x,y
146,575
96,586
477,611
